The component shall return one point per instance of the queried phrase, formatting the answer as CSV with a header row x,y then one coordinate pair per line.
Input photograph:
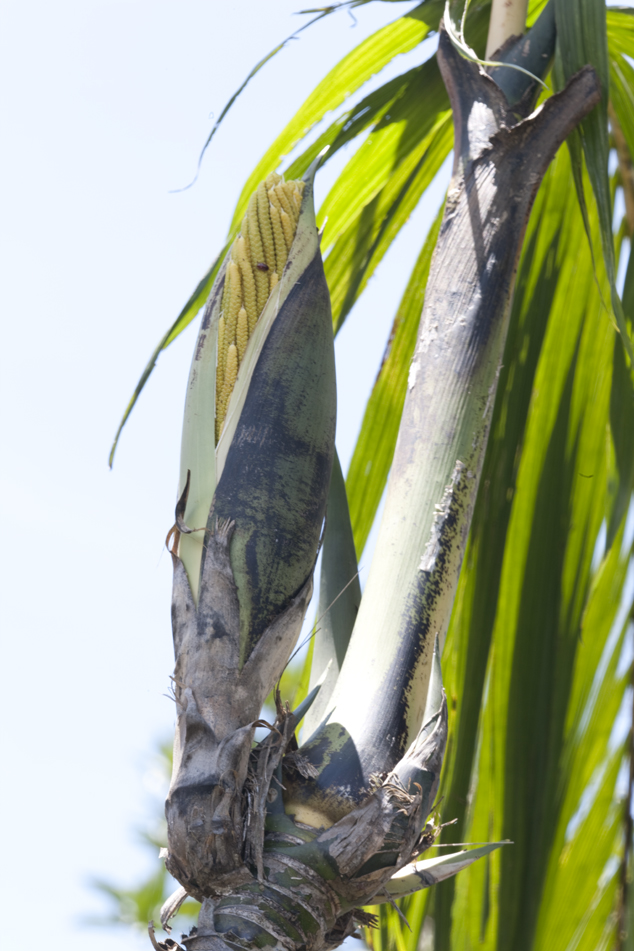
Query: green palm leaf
x,y
352,72
529,602
582,38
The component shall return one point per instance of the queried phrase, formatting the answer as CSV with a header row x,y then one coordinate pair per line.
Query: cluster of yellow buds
x,y
258,256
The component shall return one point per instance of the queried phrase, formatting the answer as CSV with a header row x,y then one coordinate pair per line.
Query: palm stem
x,y
508,18
407,603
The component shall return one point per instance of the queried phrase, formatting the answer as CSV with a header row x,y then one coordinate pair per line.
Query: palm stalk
x,y
499,162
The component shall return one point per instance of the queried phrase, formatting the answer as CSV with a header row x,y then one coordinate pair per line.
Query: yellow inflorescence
x,y
258,257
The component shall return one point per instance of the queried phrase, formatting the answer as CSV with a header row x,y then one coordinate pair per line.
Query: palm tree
x,y
506,420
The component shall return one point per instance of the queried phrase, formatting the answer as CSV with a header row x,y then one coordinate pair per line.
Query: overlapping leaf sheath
x,y
258,551
303,888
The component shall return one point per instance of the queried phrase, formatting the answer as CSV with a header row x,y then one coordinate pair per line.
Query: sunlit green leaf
x,y
397,163
558,499
622,420
582,39
622,96
347,76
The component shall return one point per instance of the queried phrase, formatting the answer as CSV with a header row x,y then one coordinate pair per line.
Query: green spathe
x,y
277,470
199,454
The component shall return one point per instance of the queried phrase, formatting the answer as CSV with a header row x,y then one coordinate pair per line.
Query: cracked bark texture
x,y
264,879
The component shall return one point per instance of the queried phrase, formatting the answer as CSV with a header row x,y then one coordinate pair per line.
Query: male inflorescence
x,y
257,259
